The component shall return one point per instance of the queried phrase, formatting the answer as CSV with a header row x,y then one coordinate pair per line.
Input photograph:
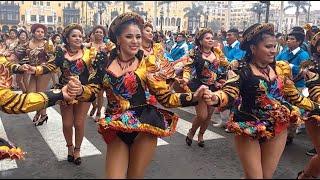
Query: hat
x,y
252,32
119,20
66,31
200,34
314,42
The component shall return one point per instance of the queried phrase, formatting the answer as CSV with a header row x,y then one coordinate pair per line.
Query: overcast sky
x,y
315,5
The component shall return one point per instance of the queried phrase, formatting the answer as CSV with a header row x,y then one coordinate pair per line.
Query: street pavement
x,y
46,152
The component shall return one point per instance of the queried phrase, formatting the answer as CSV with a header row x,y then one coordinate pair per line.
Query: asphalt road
x,y
46,152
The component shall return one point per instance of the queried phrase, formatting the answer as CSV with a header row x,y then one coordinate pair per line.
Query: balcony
x,y
71,15
9,14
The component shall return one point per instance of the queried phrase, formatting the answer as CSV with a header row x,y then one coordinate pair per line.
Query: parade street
x,y
46,152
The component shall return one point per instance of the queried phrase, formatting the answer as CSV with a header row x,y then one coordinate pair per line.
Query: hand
x,y
210,98
183,82
66,96
24,68
74,86
200,92
28,69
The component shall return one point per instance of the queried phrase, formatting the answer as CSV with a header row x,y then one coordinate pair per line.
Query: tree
x,y
259,9
193,14
298,5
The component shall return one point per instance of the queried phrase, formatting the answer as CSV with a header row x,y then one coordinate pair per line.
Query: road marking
x,y
183,127
53,135
190,109
6,164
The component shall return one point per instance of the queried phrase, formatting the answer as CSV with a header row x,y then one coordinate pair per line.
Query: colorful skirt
x,y
276,121
148,119
9,151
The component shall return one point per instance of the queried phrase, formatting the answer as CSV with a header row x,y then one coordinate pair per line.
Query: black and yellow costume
x,y
128,111
207,73
81,67
13,103
39,55
264,108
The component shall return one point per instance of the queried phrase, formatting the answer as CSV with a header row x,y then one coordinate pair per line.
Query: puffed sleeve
x,y
53,63
291,92
95,79
13,67
157,86
230,90
188,65
13,103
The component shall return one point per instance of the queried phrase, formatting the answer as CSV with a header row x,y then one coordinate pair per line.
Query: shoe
x,y
299,173
77,161
227,130
36,118
219,125
189,140
200,143
96,119
311,152
42,120
289,140
70,158
93,110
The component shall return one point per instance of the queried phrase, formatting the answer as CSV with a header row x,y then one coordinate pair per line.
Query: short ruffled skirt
x,y
148,119
9,151
241,123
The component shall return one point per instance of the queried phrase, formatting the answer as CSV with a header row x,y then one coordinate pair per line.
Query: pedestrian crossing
x,y
52,134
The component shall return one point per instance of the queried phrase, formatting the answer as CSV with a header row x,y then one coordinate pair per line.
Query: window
x,y
48,3
59,4
34,2
41,3
22,2
59,19
23,18
49,19
41,19
33,18
9,16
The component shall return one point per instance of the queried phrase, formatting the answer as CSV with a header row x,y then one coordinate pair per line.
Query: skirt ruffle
x,y
8,151
256,129
148,119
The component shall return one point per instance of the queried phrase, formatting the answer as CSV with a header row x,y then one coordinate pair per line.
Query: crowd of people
x,y
264,85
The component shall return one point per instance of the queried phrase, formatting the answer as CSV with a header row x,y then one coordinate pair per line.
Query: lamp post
x,y
54,20
267,10
100,11
161,18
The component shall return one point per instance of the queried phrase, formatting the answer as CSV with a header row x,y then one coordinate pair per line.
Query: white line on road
x,y
183,127
7,163
53,135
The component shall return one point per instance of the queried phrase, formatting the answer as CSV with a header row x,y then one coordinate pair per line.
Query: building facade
x,y
9,15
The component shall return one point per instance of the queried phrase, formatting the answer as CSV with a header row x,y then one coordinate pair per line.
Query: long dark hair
x,y
115,51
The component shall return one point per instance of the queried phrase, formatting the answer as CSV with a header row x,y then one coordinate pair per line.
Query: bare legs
x,y
312,169
131,162
255,157
74,115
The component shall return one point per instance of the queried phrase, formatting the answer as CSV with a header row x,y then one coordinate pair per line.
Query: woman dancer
x,y
261,120
73,60
131,125
207,62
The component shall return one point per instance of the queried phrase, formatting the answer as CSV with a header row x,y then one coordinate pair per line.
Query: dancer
x,y
261,120
131,125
